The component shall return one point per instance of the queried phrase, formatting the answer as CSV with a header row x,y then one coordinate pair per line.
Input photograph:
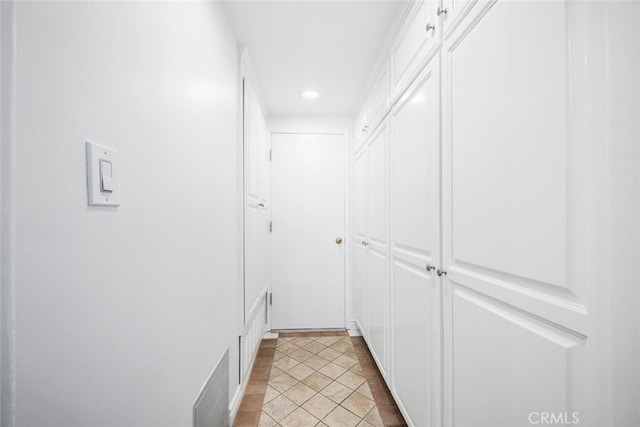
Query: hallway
x,y
445,192
316,378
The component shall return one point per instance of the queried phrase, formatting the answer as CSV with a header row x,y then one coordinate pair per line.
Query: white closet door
x,y
516,319
361,177
377,263
415,189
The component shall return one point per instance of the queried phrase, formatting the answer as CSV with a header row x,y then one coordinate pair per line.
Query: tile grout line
x,y
351,363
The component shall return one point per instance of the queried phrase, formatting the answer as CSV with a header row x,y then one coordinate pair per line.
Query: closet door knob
x,y
440,273
338,240
442,11
430,267
430,27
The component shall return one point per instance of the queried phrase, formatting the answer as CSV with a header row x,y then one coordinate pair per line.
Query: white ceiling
x,y
328,46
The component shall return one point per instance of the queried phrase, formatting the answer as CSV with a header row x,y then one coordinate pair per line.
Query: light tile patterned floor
x,y
316,379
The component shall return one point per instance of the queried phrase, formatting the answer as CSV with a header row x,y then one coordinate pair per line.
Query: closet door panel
x,y
515,225
414,46
415,189
456,10
509,152
378,101
378,281
378,217
360,288
361,177
378,300
414,374
509,366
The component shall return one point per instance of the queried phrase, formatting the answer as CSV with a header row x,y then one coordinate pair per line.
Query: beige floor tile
x,y
283,382
300,393
289,349
275,372
299,418
341,346
351,353
351,380
285,363
365,391
336,392
314,347
266,421
340,417
363,423
374,418
319,406
315,362
358,404
278,355
283,344
300,354
301,342
279,408
300,372
270,394
345,361
356,369
328,340
329,354
332,370
317,381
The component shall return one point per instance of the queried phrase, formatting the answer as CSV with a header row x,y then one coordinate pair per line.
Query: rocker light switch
x,y
103,183
106,176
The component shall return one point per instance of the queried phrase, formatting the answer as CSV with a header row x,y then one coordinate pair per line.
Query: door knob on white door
x,y
338,240
441,272
430,267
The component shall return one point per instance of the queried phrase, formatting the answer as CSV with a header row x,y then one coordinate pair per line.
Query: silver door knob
x,y
430,27
338,240
442,11
430,267
440,273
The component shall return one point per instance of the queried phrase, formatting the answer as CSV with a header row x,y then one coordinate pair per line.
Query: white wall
x,y
7,98
623,65
121,314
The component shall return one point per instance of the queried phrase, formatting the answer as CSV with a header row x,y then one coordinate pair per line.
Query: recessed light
x,y
310,94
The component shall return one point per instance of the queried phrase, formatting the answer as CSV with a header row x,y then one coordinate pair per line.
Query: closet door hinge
x,y
270,226
270,298
270,155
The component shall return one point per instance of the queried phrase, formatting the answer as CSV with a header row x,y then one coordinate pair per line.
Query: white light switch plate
x,y
95,153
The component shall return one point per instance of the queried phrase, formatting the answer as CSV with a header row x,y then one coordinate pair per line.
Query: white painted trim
x,y
353,329
235,402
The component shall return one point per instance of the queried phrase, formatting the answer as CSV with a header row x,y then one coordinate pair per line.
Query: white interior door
x,y
308,201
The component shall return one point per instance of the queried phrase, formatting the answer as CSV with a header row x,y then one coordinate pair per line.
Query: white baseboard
x,y
353,329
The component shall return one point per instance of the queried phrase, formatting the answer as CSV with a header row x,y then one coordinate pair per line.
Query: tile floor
x,y
316,379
